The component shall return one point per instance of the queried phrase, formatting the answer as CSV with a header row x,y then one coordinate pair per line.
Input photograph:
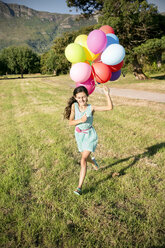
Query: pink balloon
x,y
96,41
80,72
89,85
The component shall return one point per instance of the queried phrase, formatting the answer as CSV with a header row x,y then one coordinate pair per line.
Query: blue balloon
x,y
115,75
112,39
113,54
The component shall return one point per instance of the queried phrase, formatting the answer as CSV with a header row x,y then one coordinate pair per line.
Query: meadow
x,y
123,203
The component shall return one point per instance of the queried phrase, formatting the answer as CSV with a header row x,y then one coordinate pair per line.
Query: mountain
x,y
20,25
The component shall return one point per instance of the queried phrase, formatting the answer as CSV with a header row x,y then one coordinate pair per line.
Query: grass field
x,y
123,204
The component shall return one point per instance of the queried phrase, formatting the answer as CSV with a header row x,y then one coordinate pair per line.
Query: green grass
x,y
39,169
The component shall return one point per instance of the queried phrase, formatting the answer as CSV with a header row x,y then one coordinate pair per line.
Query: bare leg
x,y
92,162
83,170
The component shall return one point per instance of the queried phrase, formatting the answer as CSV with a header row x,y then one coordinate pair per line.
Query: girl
x,y
80,114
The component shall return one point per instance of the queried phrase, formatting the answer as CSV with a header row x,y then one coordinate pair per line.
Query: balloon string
x,y
94,77
95,81
90,62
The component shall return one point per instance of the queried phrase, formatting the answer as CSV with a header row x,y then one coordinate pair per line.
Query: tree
x,y
48,62
55,59
87,7
21,60
3,65
151,51
134,22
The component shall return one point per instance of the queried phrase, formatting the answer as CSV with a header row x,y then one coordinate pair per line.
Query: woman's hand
x,y
106,90
84,118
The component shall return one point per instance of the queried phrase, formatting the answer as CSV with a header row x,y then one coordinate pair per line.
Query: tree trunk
x,y
21,72
137,70
159,60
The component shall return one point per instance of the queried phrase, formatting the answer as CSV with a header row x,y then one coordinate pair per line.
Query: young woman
x,y
80,114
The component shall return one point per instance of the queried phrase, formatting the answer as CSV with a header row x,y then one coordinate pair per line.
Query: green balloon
x,y
75,53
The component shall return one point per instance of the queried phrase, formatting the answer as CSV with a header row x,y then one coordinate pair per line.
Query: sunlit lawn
x,y
122,204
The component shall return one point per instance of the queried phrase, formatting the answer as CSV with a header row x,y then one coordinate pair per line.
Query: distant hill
x,y
20,25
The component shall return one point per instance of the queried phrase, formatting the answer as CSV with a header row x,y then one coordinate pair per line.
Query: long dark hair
x,y
72,99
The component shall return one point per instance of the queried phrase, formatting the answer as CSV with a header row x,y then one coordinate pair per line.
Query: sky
x,y
60,6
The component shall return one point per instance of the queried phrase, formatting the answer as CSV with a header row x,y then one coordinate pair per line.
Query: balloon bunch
x,y
96,57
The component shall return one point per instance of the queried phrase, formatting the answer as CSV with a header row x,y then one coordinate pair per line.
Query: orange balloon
x,y
117,67
101,72
107,29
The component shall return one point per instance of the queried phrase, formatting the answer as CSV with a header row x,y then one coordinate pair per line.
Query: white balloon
x,y
113,54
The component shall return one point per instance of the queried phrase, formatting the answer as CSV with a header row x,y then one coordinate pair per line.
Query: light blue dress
x,y
86,140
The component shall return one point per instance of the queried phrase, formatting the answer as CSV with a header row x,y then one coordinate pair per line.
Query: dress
x,y
86,139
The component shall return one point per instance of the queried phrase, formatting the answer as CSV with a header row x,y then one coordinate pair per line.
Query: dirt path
x,y
129,93
135,94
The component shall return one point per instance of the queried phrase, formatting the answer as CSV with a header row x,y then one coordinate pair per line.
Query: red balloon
x,y
117,67
101,72
107,29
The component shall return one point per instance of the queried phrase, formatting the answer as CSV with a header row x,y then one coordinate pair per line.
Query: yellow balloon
x,y
82,40
75,53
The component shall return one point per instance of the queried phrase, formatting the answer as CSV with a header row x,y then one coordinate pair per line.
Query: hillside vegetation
x,y
122,204
21,25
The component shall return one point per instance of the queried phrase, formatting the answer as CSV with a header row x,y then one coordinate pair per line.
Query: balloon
x,y
82,40
107,29
101,72
96,41
112,39
98,59
89,85
80,72
75,53
87,62
117,67
115,75
113,54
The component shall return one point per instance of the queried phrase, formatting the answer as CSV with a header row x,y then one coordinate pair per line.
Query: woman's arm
x,y
109,105
72,121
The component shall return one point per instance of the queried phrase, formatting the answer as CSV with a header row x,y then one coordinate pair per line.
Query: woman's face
x,y
81,98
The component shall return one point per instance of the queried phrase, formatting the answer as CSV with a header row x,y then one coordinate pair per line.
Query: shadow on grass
x,y
150,151
162,77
